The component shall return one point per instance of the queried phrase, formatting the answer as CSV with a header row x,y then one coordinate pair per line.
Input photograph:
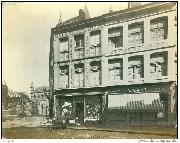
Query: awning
x,y
135,102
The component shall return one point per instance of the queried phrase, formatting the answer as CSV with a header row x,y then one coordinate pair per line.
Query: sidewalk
x,y
132,130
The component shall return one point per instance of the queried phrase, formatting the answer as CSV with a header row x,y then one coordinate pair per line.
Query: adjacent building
x,y
40,102
118,68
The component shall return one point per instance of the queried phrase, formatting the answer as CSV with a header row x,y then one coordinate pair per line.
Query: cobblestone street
x,y
44,133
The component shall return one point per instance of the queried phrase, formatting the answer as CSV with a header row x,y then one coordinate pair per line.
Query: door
x,y
80,112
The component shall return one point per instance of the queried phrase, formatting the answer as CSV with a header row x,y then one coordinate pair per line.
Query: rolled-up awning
x,y
135,102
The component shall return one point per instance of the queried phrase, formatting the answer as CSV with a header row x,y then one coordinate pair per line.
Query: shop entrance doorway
x,y
80,112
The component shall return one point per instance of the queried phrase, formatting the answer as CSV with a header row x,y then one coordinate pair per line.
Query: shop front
x,y
79,109
145,105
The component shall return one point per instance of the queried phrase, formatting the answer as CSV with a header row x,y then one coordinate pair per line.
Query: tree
x,y
51,102
19,98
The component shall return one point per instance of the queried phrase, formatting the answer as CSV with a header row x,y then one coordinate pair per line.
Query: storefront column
x,y
55,107
58,107
84,109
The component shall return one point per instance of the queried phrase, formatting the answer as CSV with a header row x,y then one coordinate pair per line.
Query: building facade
x,y
40,102
118,68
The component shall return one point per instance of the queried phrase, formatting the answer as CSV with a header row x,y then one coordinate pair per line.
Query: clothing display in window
x,y
93,107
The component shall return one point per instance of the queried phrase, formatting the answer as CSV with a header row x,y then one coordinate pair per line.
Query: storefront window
x,y
93,108
67,108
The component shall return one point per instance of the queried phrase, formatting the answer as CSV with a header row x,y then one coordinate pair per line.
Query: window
x,y
158,65
64,54
135,68
79,75
64,77
79,46
159,29
95,73
135,34
115,37
115,70
95,42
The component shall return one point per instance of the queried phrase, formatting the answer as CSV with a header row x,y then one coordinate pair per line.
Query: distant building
x,y
40,104
118,68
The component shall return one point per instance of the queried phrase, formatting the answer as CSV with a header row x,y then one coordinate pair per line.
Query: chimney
x,y
133,4
81,14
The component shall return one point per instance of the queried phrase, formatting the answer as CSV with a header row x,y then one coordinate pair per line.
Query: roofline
x,y
109,15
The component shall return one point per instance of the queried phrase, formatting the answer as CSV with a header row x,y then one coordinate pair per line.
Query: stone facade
x,y
128,52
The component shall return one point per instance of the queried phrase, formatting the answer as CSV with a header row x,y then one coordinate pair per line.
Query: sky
x,y
26,28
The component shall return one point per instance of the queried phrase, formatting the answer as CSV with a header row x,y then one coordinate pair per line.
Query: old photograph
x,y
89,70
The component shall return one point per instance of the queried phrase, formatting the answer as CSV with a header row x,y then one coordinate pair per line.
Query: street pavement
x,y
31,125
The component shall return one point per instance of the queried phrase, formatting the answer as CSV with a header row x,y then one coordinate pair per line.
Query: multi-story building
x,y
118,67
40,102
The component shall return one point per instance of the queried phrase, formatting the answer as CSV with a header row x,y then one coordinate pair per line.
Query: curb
x,y
125,131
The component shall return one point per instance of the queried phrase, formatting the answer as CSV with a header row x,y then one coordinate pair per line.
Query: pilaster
x,y
147,66
71,75
104,41
87,73
125,68
104,71
147,31
125,35
87,43
71,46
56,76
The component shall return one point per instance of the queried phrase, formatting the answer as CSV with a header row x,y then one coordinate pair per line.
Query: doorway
x,y
80,112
